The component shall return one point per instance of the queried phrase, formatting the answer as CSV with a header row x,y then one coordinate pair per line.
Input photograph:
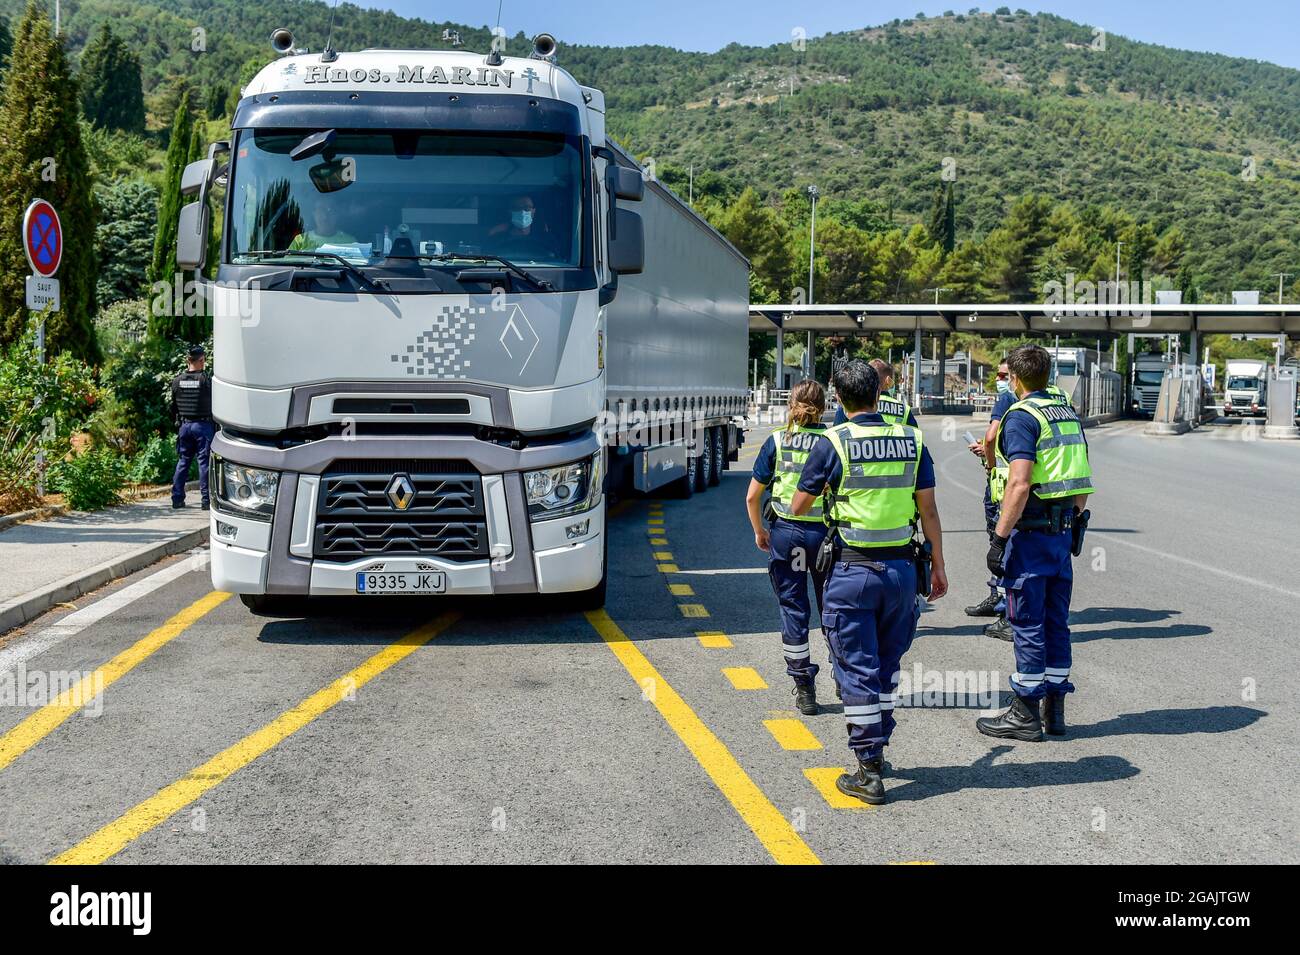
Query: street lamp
x,y
812,240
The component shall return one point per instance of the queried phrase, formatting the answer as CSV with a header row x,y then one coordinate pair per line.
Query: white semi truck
x,y
1148,371
451,319
1245,388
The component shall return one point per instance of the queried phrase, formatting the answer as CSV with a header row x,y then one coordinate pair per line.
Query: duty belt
x,y
207,420
874,555
1055,520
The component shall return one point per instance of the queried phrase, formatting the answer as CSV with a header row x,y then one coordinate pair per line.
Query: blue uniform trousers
x,y
991,522
1039,580
194,439
793,554
870,619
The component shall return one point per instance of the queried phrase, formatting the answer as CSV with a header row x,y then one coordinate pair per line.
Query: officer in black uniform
x,y
192,408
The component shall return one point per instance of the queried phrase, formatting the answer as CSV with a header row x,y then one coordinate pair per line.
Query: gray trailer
x,y
677,350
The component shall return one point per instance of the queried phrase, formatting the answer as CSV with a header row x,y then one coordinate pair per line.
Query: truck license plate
x,y
421,582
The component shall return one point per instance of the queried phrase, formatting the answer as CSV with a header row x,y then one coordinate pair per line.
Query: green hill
x,y
1167,141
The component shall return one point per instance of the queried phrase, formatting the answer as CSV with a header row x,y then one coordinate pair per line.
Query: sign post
x,y
43,243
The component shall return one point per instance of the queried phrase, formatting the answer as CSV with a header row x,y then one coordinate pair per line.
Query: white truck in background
x,y
1245,388
1148,371
451,317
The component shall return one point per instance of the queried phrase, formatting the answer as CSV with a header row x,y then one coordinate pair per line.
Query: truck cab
x,y
416,294
1245,389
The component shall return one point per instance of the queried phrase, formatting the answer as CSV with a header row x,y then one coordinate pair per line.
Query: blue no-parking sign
x,y
42,238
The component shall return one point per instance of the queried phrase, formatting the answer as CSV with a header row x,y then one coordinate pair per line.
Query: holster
x,y
769,511
924,559
1079,529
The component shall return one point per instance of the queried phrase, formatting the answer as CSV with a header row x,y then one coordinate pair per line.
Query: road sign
x,y
42,238
42,292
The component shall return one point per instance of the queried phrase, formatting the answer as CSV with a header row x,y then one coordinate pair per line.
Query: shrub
x,y
156,461
90,480
42,404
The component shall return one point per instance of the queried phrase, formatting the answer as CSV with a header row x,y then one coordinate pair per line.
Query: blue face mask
x,y
1004,386
521,218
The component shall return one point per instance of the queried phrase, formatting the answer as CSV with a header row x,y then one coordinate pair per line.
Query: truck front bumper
x,y
561,555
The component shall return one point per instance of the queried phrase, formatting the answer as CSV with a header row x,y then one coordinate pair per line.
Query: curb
x,y
28,607
35,514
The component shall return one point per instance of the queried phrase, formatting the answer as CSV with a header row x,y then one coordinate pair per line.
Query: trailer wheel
x,y
717,442
703,462
684,486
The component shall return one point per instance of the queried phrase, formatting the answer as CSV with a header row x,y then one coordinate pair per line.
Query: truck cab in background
x,y
1148,371
1245,388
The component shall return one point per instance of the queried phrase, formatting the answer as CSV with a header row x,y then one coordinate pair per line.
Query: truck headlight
x,y
567,489
246,491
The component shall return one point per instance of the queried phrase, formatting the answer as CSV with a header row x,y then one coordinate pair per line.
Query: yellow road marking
x,y
792,734
764,819
824,780
165,803
668,568
692,610
654,520
713,639
49,717
658,542
663,555
681,590
744,678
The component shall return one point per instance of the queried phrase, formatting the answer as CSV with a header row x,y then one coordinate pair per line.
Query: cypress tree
x,y
163,266
111,94
41,154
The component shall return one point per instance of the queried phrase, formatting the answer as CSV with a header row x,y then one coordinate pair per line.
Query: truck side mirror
x,y
192,236
628,184
197,175
627,243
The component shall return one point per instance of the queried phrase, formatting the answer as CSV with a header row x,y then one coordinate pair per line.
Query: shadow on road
x,y
1212,719
926,782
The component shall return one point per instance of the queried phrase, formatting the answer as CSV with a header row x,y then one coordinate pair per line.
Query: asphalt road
x,y
512,731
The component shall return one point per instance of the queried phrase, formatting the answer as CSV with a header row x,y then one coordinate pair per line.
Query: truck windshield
x,y
372,195
1150,377
1241,383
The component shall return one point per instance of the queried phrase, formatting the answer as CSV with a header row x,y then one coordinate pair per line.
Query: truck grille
x,y
444,518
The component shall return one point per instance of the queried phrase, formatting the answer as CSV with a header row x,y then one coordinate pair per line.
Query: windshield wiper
x,y
365,280
506,264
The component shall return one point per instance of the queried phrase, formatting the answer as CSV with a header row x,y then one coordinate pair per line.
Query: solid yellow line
x,y
165,803
49,717
764,819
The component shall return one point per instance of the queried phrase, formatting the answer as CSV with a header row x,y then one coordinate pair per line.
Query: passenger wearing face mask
x,y
995,604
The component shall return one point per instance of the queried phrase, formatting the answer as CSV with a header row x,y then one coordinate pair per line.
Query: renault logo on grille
x,y
400,492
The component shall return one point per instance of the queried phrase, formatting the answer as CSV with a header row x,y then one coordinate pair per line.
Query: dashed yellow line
x,y
773,830
49,717
824,779
681,590
663,555
744,678
713,639
792,734
658,542
693,610
668,568
165,803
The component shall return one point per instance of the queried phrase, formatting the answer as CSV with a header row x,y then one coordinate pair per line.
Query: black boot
x,y
1020,721
1053,713
988,607
999,629
866,784
805,698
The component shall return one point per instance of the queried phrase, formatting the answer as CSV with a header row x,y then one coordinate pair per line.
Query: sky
x,y
1258,29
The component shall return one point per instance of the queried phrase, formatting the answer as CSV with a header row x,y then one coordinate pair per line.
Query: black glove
x,y
997,556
